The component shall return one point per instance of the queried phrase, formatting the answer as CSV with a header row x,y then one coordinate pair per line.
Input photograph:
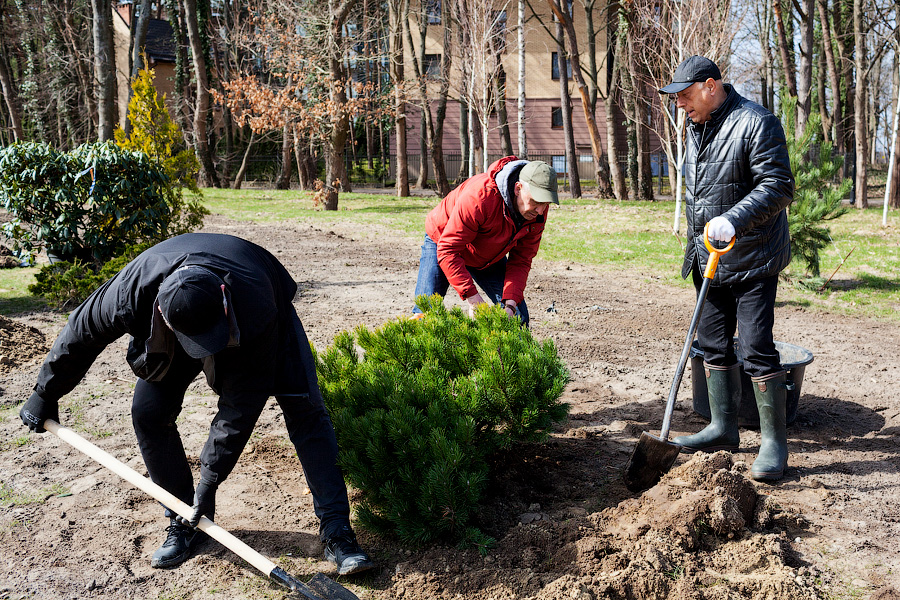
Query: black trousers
x,y
156,406
749,309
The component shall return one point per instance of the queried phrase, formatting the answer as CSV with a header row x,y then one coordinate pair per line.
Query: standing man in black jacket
x,y
222,305
738,178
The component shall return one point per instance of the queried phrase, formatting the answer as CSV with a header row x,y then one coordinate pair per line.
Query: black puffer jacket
x,y
737,166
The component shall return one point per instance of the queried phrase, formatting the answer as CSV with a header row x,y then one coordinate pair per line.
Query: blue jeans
x,y
748,307
431,279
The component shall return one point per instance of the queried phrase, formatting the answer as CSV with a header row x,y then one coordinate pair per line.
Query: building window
x,y
556,118
432,66
433,12
554,67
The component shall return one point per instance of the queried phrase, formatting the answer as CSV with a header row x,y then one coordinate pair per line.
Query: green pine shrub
x,y
66,284
816,199
419,405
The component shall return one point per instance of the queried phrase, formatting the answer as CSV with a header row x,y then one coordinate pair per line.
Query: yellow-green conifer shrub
x,y
155,133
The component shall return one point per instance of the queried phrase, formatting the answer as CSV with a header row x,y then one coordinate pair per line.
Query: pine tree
x,y
816,198
154,133
419,405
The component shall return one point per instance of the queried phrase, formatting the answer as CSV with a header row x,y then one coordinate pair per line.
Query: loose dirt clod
x,y
20,344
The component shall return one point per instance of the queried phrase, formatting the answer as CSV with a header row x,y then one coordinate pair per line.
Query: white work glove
x,y
473,302
721,229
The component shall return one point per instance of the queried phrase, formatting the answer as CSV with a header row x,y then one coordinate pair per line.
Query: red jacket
x,y
472,227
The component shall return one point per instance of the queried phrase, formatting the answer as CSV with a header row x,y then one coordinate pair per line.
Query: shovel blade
x,y
651,459
319,587
330,589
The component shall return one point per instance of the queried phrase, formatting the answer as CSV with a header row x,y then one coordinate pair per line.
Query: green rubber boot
x,y
724,389
771,400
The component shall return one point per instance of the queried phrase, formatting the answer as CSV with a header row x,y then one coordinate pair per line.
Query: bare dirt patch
x,y
565,525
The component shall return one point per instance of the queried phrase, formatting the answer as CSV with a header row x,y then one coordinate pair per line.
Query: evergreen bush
x,y
419,405
67,284
816,198
88,204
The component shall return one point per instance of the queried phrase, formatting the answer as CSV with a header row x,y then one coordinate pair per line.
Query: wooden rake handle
x,y
253,557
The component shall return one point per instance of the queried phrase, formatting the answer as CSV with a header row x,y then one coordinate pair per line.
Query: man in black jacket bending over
x,y
738,178
222,305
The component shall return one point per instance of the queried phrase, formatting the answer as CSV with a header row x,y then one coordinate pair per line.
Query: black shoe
x,y
180,542
344,551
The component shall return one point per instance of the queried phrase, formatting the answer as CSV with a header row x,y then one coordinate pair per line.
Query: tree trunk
x,y
762,19
335,170
861,200
139,32
844,40
424,145
9,93
618,176
892,192
804,81
604,189
239,178
834,75
463,142
284,176
822,97
645,169
304,182
787,63
894,197
104,69
502,120
520,116
566,109
426,126
396,57
208,174
437,143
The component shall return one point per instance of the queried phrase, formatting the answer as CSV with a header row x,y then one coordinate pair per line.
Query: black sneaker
x,y
343,550
180,542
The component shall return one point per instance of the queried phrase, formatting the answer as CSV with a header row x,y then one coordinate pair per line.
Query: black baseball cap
x,y
689,72
195,305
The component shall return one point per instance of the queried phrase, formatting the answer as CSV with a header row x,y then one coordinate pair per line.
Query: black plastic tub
x,y
794,360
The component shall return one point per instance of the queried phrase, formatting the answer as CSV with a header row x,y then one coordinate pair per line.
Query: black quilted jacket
x,y
737,166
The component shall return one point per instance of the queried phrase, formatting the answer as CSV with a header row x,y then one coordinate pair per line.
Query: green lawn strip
x,y
622,236
263,206
14,295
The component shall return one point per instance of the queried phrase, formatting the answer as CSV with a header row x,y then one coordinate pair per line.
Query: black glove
x,y
204,503
37,410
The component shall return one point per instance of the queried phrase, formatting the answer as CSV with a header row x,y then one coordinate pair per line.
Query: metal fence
x,y
264,169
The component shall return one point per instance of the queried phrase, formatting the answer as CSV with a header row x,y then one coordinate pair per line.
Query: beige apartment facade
x,y
543,125
160,51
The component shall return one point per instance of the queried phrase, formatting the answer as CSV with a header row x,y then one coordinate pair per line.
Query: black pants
x,y
156,406
747,307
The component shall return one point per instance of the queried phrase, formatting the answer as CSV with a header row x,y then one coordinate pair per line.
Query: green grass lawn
x,y
14,295
624,236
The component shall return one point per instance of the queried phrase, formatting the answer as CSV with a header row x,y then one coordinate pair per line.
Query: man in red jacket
x,y
487,231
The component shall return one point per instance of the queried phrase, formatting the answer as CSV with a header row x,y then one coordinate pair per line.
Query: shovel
x,y
654,456
319,587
